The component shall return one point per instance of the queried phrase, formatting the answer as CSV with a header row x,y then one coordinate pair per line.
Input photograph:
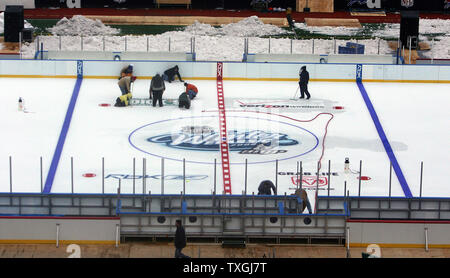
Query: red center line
x,y
224,152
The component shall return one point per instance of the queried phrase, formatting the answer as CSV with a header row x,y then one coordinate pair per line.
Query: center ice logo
x,y
197,139
238,140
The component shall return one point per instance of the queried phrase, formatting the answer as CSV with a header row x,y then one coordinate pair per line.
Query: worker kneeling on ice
x,y
184,101
169,75
123,100
124,85
191,90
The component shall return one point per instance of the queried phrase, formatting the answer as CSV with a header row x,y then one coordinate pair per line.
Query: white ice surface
x,y
28,136
415,118
418,116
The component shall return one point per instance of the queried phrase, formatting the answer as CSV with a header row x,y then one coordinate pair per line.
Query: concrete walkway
x,y
208,250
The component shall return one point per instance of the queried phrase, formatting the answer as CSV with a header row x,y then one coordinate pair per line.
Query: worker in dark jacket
x,y
169,75
184,101
156,90
180,240
301,193
265,187
303,83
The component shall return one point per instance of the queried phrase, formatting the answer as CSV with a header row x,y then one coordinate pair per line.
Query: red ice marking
x,y
338,107
104,104
364,178
223,132
89,175
297,120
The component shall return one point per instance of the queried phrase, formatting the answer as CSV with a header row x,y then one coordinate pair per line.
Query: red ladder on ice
x,y
223,132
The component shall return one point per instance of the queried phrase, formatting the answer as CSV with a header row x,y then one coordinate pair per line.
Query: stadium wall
x,y
322,58
38,68
117,55
275,71
65,230
400,234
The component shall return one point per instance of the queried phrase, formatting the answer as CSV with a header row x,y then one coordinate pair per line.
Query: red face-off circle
x,y
89,175
338,107
104,104
364,178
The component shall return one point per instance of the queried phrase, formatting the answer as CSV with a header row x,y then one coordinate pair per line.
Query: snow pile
x,y
428,29
251,27
2,23
201,29
390,30
80,25
439,49
436,27
226,43
328,30
248,27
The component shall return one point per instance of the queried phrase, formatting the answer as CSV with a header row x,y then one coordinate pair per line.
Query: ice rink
x,y
267,131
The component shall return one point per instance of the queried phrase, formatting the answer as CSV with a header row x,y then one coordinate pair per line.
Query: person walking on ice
x,y
303,83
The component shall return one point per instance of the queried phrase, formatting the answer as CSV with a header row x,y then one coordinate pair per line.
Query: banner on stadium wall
x,y
196,4
392,5
92,3
339,5
211,4
27,4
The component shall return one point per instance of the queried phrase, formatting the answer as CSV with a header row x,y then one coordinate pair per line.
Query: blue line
x,y
384,140
62,138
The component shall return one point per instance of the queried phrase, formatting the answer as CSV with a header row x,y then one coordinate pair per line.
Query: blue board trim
x,y
62,137
384,140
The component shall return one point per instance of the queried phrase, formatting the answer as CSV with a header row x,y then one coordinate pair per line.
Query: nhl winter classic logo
x,y
199,139
204,138
407,3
